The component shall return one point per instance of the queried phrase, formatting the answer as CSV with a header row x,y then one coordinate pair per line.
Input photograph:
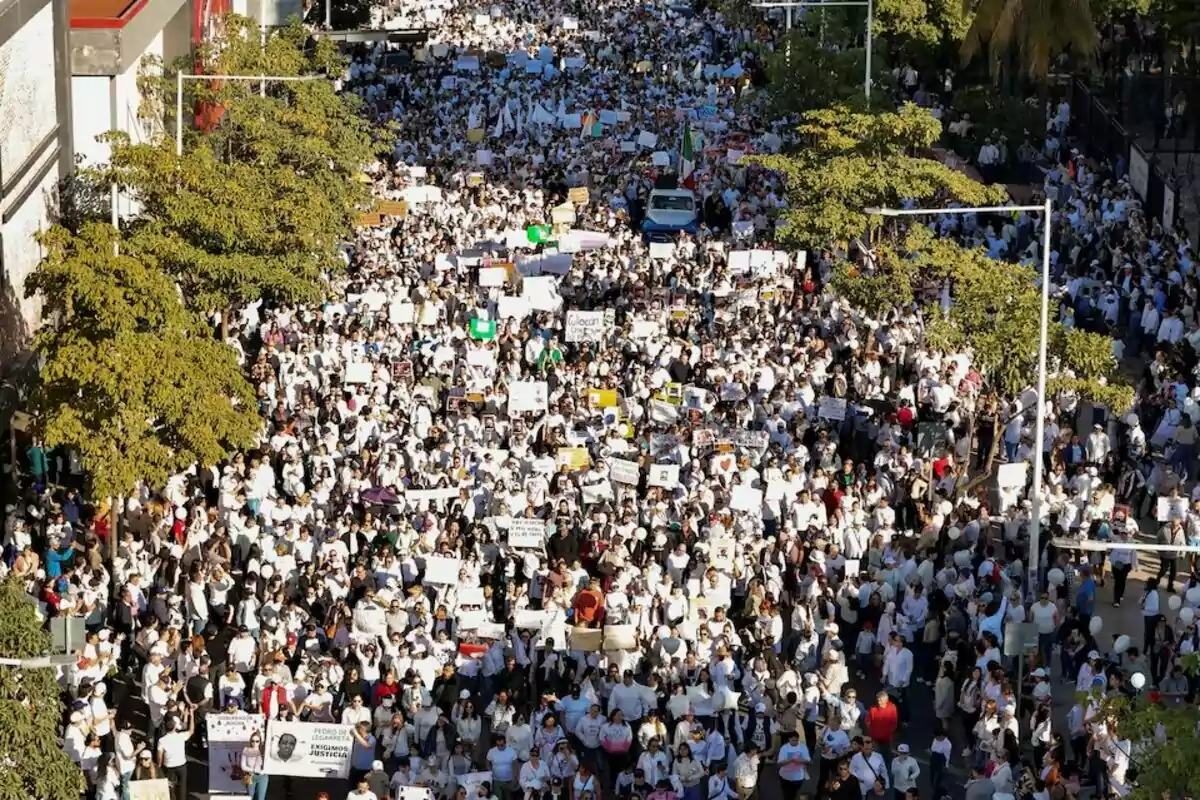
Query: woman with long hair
x,y
688,771
970,699
616,739
251,762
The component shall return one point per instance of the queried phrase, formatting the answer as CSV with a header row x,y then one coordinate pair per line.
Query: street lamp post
x,y
180,78
1039,435
870,6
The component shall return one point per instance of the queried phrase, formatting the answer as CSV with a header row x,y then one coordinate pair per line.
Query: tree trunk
x,y
224,325
978,480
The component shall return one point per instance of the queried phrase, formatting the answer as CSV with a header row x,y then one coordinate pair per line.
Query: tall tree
x,y
262,195
1026,36
853,161
35,764
130,379
806,75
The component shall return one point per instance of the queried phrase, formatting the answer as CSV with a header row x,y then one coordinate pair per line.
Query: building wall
x,y
34,153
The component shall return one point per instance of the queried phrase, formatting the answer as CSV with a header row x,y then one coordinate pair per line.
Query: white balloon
x,y
1056,577
1096,625
1138,680
1186,615
1193,595
953,534
1173,602
1122,644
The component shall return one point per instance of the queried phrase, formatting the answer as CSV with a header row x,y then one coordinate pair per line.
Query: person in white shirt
x,y
629,697
897,670
720,787
905,770
535,774
172,755
867,765
362,791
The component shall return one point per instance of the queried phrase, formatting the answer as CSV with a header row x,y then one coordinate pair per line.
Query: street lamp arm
x,y
917,212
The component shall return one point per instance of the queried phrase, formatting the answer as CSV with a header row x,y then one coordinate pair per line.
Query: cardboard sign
x,y
665,476
442,570
587,640
746,498
526,533
584,326
603,398
1171,508
626,472
579,195
832,408
575,459
620,637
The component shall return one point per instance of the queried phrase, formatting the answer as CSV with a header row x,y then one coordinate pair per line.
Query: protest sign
x,y
227,735
1012,476
603,398
620,637
470,596
492,276
1171,508
584,326
358,373
308,749
587,640
593,493
623,471
832,408
746,498
574,459
647,139
442,570
527,396
527,533
483,330
401,313
411,793
156,789
664,475
530,619
579,195
509,307
661,251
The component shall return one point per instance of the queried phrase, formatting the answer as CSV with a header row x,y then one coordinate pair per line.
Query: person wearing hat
x,y
905,770
146,769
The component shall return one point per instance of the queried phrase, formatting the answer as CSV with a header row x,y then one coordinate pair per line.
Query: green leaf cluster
x,y
852,161
1030,34
922,23
258,201
130,378
34,764
805,76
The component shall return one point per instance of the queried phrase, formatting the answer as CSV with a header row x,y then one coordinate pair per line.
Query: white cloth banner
x,y
308,749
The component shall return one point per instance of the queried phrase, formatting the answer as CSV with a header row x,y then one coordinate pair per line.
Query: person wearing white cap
x,y
905,770
102,716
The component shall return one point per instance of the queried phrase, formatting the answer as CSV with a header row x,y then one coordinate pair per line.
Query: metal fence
x,y
1099,133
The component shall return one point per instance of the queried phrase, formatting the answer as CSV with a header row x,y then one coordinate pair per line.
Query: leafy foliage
x,y
813,76
259,200
130,378
1034,32
925,23
1162,741
854,161
34,764
990,111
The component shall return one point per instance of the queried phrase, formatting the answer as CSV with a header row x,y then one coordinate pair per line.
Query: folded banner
x,y
308,749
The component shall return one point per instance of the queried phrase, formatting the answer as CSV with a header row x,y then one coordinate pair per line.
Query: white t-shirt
x,y
1043,617
502,763
171,746
367,795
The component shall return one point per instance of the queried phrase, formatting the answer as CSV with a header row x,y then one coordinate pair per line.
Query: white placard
x,y
527,396
492,276
1012,476
832,408
1139,171
531,620
430,495
1171,508
152,789
620,637
662,250
594,493
626,472
720,553
647,139
664,475
584,326
402,313
509,307
308,749
359,373
527,533
746,498
541,292
227,736
471,596
442,569
660,158
412,792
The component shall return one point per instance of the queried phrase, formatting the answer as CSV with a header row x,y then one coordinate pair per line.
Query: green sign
x,y
483,329
538,234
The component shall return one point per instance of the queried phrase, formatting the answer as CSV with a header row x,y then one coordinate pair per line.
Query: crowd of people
x,y
602,514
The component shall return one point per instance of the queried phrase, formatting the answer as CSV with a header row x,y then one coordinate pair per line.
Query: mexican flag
x,y
483,330
687,160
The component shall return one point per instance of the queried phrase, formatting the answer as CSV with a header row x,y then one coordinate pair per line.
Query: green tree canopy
x,y
814,76
31,751
922,23
1027,35
130,379
262,195
854,161
995,313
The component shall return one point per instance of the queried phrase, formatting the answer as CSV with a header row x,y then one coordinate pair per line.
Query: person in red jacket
x,y
883,720
274,697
